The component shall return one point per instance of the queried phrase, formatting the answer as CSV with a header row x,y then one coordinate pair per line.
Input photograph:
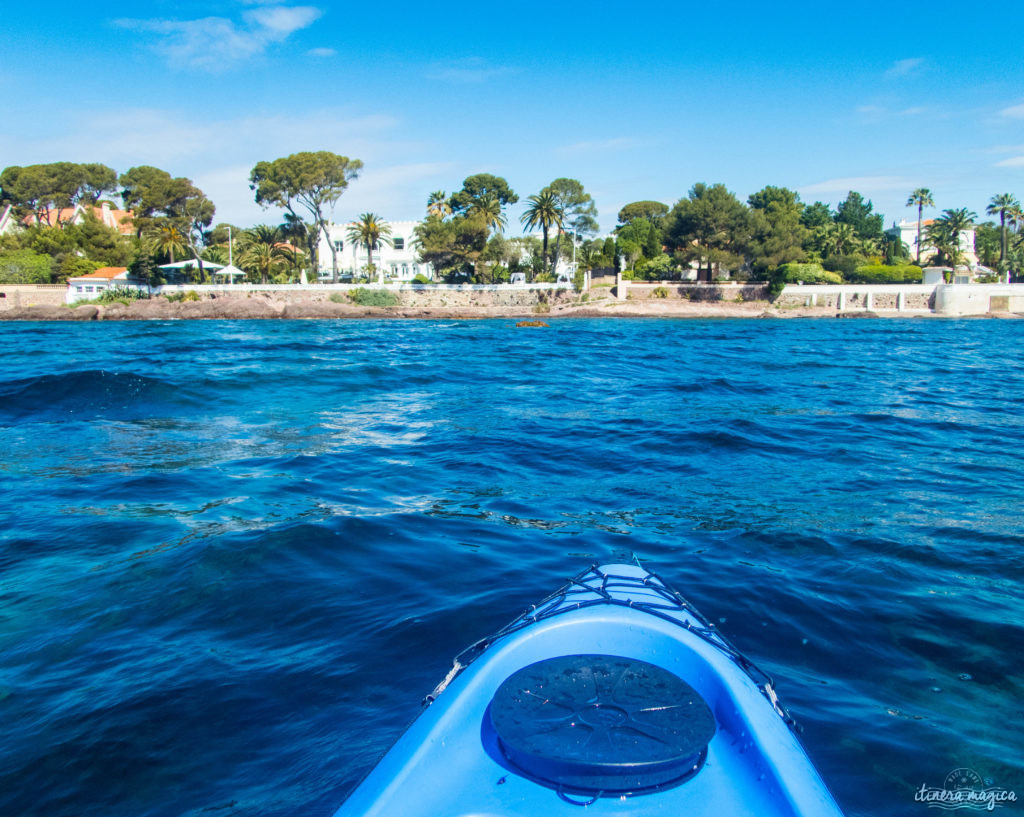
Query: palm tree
x,y
838,238
371,231
167,240
488,209
438,205
922,197
544,212
263,251
216,254
950,226
589,255
1002,204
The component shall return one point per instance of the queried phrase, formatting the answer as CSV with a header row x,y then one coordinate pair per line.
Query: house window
x,y
339,245
78,289
88,289
399,243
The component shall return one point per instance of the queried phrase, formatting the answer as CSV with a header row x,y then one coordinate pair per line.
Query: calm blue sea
x,y
235,555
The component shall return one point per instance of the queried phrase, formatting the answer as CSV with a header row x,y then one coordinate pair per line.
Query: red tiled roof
x,y
106,273
50,217
119,220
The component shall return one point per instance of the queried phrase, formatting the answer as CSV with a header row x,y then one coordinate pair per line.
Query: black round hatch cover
x,y
601,724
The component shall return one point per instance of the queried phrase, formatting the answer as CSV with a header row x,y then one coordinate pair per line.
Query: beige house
x,y
906,231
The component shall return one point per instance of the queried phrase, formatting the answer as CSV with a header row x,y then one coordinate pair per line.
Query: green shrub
x,y
659,292
121,295
886,274
25,267
373,297
845,265
653,269
808,273
420,279
175,297
74,266
338,298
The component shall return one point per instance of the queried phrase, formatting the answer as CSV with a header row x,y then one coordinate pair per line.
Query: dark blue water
x,y
234,556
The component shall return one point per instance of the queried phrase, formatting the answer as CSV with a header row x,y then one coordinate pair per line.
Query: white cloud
x,y
1013,112
217,43
321,52
396,191
864,184
468,71
278,22
871,113
1013,161
906,67
219,154
164,137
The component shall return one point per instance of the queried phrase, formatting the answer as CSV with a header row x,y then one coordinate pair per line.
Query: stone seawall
x,y
858,297
16,296
647,299
736,292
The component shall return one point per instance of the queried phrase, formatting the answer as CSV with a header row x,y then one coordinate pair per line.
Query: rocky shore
x,y
243,308
432,305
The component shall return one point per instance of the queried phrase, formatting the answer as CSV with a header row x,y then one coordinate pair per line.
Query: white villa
x,y
906,231
398,259
88,287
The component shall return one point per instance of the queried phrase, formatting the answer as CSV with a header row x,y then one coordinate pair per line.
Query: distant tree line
x,y
772,235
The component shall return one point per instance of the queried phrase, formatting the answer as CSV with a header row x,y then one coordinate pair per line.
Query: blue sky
x,y
637,101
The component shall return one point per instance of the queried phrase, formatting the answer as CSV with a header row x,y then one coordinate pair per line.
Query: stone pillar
x,y
901,301
620,286
867,300
586,281
841,305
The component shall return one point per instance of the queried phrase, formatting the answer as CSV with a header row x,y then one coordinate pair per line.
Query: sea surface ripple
x,y
235,555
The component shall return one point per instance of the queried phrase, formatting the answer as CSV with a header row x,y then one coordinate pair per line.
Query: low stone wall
x,y
15,296
859,297
418,297
736,292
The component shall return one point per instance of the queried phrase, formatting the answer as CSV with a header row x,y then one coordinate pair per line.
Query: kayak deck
x,y
449,762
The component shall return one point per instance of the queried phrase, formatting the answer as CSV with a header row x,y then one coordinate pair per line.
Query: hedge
x,y
809,274
886,274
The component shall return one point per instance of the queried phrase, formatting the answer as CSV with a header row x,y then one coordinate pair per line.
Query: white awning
x,y
191,262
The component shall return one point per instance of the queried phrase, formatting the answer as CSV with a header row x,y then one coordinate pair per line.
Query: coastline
x,y
241,308
230,308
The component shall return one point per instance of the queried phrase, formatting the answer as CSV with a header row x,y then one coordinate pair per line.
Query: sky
x,y
635,101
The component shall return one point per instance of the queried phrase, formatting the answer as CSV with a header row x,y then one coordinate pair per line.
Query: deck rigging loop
x,y
591,588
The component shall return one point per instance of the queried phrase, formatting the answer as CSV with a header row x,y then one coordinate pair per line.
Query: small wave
x,y
85,394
